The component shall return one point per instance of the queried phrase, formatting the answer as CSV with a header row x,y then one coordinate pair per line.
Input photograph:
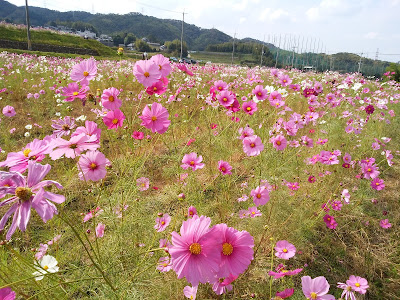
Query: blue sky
x,y
357,26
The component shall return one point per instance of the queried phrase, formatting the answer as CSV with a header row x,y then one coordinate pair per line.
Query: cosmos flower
x,y
155,118
84,71
192,161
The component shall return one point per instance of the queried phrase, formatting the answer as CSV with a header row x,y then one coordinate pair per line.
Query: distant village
x,y
103,38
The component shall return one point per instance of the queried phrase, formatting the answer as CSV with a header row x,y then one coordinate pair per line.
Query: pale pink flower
x,y
252,145
100,230
284,249
316,289
143,183
92,166
163,64
279,142
84,71
260,195
162,222
73,147
155,118
9,111
147,72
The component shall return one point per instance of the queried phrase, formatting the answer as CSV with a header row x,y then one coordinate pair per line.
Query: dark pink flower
x,y
162,222
249,107
378,184
224,167
7,294
110,100
285,294
73,91
114,119
330,221
252,145
138,135
385,223
192,161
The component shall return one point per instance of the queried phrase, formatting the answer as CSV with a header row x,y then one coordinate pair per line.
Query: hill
x,y
157,30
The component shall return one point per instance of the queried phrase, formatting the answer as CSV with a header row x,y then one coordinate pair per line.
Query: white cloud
x,y
242,20
371,35
329,8
272,15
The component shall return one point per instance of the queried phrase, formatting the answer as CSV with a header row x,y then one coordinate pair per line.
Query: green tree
x,y
393,67
130,37
142,46
174,48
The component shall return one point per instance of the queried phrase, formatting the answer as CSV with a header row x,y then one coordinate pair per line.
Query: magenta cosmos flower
x,y
90,129
73,91
194,253
114,119
316,289
358,284
9,111
28,192
283,273
249,107
155,118
163,64
260,92
284,249
162,222
225,98
92,166
285,294
252,145
110,100
147,72
237,250
192,161
378,184
224,167
74,147
33,151
385,223
84,71
7,294
330,221
260,195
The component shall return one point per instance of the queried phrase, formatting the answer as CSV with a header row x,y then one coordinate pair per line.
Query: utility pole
x,y
233,47
262,51
28,25
359,63
183,20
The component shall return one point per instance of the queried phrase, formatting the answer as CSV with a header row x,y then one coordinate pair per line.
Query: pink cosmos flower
x,y
252,145
192,161
222,285
90,129
237,250
138,135
385,223
370,171
337,205
224,167
284,249
164,264
84,71
92,166
285,80
226,98
330,221
147,72
164,66
279,142
285,294
73,91
260,92
7,294
245,132
100,230
114,119
63,126
155,118
254,212
159,88
185,69
249,107
193,252
378,184
162,222
316,289
358,284
9,111
283,273
294,186
73,147
260,195
28,192
190,292
192,211
33,151
143,183
110,100
220,85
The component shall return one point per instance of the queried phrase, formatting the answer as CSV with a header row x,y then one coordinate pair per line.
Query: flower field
x,y
125,179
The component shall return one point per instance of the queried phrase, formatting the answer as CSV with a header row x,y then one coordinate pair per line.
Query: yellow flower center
x,y
155,88
23,193
377,183
111,98
163,223
45,267
227,249
285,250
278,143
192,163
75,93
195,248
248,108
86,73
223,169
93,166
146,74
258,195
253,212
115,121
259,93
252,145
154,118
224,99
65,127
357,284
313,295
26,152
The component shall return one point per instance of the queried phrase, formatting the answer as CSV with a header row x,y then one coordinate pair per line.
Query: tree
x,y
130,37
142,46
118,39
393,67
174,47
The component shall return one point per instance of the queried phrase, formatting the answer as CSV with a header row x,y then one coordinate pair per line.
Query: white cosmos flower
x,y
48,264
29,126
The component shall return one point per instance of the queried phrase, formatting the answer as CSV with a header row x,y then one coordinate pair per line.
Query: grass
x,y
52,38
125,259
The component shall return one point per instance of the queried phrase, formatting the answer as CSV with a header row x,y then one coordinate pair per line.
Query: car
x,y
173,59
